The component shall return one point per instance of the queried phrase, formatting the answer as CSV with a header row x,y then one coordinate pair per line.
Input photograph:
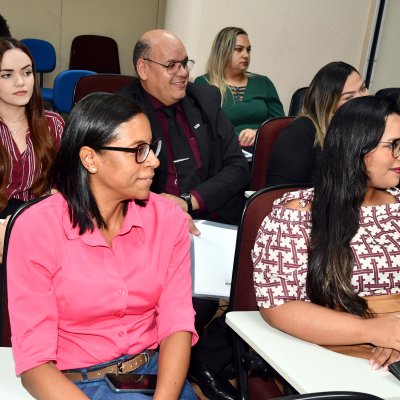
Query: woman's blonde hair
x,y
221,56
323,95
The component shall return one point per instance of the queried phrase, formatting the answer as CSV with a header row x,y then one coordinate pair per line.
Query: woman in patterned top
x,y
322,251
29,136
247,99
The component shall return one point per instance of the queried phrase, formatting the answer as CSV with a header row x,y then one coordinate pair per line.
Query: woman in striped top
x,y
29,135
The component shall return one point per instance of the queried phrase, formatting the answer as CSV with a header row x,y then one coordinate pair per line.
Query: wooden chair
x,y
266,136
242,297
5,331
109,83
96,53
296,102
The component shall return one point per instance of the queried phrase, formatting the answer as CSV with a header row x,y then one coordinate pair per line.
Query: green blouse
x,y
260,102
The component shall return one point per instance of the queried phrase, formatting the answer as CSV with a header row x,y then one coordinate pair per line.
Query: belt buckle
x,y
120,367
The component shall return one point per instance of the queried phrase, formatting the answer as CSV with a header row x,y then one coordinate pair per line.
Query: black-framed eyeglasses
x,y
141,152
174,66
395,147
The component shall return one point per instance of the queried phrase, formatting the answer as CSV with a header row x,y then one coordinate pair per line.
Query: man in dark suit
x,y
202,167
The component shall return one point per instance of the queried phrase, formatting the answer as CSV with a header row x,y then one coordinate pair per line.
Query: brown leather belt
x,y
116,368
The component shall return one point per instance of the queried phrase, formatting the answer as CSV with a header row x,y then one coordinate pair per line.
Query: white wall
x,y
59,21
291,39
386,71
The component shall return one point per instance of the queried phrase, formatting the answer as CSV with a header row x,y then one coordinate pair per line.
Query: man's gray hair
x,y
141,50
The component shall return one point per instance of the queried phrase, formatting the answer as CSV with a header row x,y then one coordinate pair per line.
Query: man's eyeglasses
x,y
395,147
141,152
174,66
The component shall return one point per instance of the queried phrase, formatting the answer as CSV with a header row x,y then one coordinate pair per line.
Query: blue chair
x,y
44,56
64,87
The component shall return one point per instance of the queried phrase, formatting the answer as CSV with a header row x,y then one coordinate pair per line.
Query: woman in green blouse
x,y
247,99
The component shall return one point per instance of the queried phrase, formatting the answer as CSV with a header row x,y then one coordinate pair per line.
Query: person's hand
x,y
182,204
192,227
384,331
383,357
247,137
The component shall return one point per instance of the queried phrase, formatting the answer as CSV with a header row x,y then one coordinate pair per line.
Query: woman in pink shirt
x,y
106,271
29,135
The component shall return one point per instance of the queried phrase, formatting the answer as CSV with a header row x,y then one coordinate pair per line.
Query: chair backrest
x,y
266,136
44,55
391,92
258,206
96,53
5,331
296,103
64,87
109,83
336,395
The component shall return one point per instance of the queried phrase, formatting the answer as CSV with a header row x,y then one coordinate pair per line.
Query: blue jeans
x,y
99,389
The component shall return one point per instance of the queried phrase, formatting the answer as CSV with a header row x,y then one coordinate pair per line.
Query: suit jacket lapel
x,y
199,128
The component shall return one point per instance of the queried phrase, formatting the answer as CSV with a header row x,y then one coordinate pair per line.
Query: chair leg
x,y
241,372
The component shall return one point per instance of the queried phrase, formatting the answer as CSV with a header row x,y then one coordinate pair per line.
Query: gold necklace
x,y
15,131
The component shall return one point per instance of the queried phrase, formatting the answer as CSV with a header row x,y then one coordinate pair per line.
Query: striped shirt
x,y
23,166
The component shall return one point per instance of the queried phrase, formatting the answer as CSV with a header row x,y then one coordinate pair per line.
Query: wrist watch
x,y
188,198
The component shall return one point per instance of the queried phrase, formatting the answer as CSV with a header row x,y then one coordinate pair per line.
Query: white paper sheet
x,y
212,259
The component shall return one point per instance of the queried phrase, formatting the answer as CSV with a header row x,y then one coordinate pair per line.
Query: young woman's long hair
x,y
323,95
42,142
221,56
92,122
340,187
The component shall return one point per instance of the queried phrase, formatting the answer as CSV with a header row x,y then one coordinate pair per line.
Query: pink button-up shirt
x,y
77,301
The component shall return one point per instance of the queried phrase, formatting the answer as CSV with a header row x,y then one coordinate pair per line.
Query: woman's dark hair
x,y
42,141
92,122
340,186
4,28
323,95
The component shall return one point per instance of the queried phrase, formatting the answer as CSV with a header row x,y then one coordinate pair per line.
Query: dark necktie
x,y
184,162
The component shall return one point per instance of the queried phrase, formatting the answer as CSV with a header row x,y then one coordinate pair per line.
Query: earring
x,y
93,170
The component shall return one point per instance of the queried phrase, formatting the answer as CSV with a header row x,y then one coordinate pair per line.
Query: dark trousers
x,y
214,348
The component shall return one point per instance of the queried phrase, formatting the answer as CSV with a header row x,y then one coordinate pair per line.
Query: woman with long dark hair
x,y
107,267
294,157
326,260
29,135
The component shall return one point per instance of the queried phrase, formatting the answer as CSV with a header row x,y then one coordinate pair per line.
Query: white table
x,y
10,385
308,367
